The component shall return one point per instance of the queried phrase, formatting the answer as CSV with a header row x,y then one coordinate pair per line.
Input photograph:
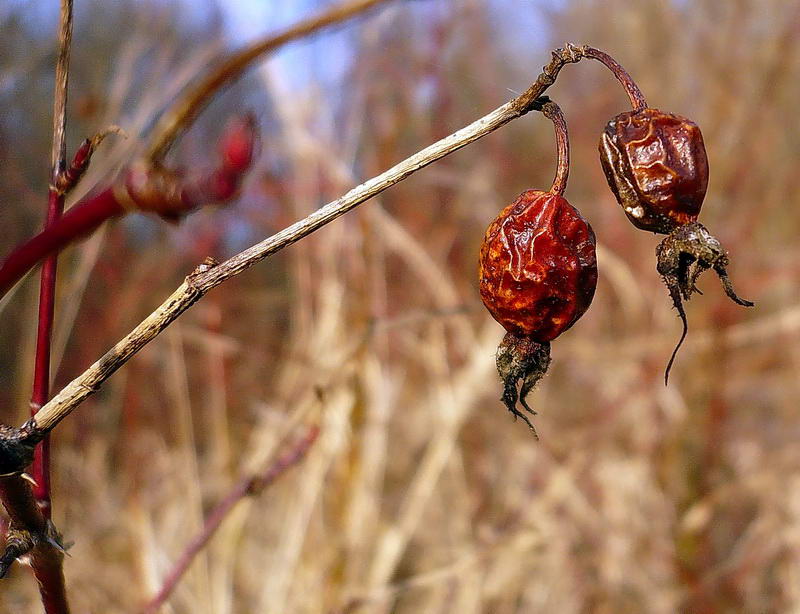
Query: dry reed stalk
x,y
248,486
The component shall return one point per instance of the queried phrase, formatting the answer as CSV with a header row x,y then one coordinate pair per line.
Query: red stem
x,y
635,95
141,188
29,509
40,469
248,485
553,112
79,221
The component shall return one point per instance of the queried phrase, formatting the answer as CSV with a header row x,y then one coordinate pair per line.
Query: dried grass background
x,y
421,495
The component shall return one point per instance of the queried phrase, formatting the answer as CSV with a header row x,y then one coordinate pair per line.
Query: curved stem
x,y
76,223
189,107
553,112
635,95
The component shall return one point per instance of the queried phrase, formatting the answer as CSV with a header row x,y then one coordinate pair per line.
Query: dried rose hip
x,y
656,165
538,273
538,268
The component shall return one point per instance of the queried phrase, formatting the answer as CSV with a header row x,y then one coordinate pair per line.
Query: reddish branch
x,y
635,95
30,531
247,486
169,194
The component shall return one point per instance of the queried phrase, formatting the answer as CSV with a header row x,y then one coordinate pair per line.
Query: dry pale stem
x,y
59,150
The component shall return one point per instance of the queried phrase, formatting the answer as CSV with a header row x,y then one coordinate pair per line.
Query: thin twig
x,y
55,208
247,486
635,95
186,110
210,274
58,157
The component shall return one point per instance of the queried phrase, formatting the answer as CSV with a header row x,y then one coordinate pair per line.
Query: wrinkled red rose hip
x,y
538,268
656,166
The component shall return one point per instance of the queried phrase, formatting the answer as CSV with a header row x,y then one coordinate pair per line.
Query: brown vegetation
x,y
421,494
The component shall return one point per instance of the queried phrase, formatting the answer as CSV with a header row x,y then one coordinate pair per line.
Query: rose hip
x,y
657,168
538,268
538,274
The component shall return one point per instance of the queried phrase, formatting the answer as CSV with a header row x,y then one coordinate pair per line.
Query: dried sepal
x,y
521,359
682,257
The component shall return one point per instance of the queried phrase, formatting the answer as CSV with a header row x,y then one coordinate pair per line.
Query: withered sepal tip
x,y
683,256
521,359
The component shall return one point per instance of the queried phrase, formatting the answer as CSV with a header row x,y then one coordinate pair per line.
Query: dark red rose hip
x,y
656,166
538,268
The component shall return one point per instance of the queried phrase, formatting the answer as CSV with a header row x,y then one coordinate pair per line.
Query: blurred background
x,y
421,494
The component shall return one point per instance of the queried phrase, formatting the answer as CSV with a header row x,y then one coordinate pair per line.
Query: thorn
x,y
28,478
58,545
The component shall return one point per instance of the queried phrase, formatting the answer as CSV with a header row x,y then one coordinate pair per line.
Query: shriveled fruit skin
x,y
538,267
656,166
